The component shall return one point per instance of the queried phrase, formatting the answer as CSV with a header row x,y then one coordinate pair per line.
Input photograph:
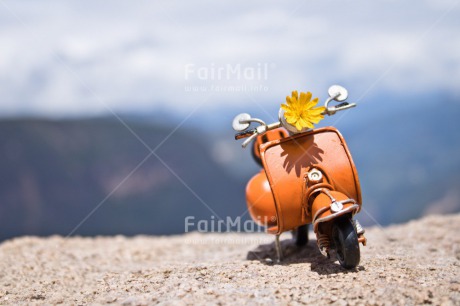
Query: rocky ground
x,y
414,263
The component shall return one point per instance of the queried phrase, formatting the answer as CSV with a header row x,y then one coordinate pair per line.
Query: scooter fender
x,y
330,205
260,202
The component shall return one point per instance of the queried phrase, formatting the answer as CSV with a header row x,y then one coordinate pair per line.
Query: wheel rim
x,y
346,243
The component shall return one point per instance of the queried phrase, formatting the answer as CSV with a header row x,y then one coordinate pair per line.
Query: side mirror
x,y
338,93
240,122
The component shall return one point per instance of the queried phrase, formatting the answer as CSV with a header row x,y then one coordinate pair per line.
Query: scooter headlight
x,y
315,176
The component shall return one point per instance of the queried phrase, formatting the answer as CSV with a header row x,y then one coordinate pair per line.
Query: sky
x,y
79,58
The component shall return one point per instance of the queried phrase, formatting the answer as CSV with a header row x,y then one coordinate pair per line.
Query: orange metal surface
x,y
267,137
286,162
321,204
259,199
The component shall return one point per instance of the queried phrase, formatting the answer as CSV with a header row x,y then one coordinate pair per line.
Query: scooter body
x,y
308,178
282,189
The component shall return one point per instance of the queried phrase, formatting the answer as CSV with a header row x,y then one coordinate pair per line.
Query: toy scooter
x,y
308,177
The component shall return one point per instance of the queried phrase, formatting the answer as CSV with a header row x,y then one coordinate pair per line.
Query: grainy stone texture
x,y
415,263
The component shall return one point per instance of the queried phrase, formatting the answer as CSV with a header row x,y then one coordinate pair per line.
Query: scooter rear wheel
x,y
346,243
301,235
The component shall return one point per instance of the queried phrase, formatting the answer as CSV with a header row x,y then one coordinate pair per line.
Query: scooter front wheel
x,y
346,243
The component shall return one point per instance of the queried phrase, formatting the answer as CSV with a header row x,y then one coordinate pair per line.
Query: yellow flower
x,y
300,112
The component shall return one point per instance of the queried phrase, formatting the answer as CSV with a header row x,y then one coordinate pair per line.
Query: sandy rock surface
x,y
415,263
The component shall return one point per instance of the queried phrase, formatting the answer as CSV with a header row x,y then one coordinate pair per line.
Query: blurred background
x,y
116,116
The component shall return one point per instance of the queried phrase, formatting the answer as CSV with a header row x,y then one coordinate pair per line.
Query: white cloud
x,y
132,55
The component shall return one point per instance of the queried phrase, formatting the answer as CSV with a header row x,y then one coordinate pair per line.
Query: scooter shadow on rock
x,y
293,254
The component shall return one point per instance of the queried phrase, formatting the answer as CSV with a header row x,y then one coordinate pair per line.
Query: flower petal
x,y
300,111
317,110
303,98
308,96
302,121
291,120
312,103
285,107
298,126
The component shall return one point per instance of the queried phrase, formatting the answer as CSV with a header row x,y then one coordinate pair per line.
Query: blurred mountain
x,y
54,173
408,159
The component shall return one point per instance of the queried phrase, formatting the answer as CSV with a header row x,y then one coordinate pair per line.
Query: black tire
x,y
346,243
301,235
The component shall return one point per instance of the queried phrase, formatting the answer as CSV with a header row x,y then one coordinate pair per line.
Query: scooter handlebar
x,y
245,134
340,107
252,134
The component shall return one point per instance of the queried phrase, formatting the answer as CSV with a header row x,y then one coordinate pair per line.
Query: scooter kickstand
x,y
279,252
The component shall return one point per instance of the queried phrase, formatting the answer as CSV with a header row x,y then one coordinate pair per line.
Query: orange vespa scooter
x,y
308,177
